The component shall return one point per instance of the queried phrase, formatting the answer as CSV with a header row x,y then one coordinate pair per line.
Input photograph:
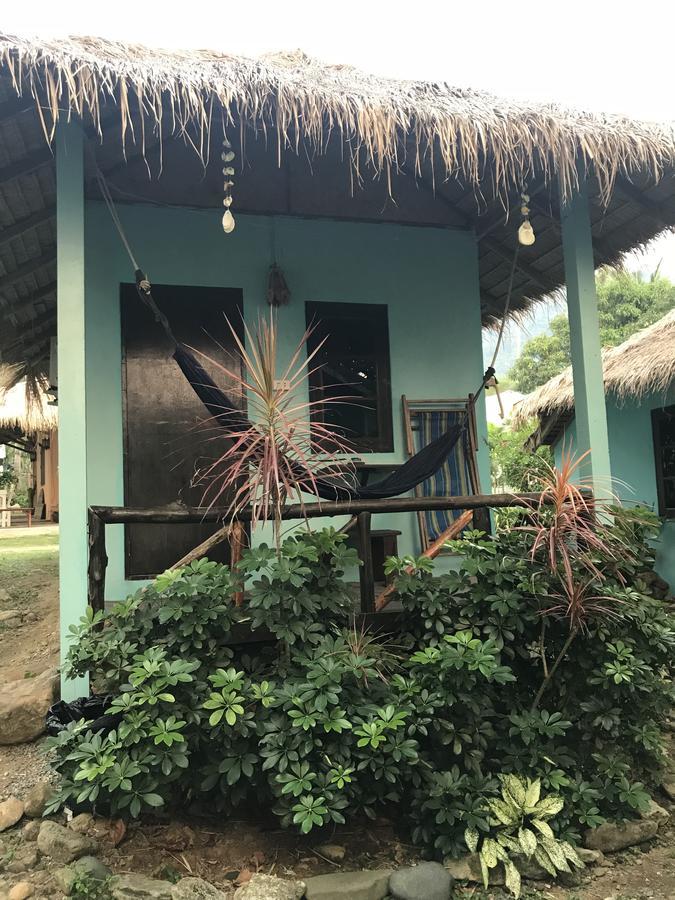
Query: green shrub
x,y
322,723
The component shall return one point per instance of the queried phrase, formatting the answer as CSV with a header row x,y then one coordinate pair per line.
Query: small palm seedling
x,y
519,828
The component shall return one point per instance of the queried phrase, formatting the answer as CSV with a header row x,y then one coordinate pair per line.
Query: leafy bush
x,y
320,722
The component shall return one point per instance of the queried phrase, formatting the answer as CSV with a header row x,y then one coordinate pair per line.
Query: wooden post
x,y
98,562
582,305
72,388
236,547
366,576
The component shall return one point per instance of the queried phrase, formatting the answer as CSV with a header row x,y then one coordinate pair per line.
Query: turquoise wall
x,y
631,452
428,277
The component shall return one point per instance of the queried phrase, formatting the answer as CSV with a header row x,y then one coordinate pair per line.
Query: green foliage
x,y
8,477
519,827
321,723
514,468
627,303
86,887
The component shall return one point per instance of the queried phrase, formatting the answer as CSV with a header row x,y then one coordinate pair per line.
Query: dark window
x,y
352,365
663,427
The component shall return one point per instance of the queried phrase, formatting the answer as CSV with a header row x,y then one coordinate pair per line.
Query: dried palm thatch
x,y
643,364
24,405
384,122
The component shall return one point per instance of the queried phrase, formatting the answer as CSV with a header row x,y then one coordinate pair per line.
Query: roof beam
x,y
664,215
28,268
554,217
27,224
27,164
40,294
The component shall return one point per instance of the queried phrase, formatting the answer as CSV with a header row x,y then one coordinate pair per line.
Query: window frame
x,y
378,313
658,415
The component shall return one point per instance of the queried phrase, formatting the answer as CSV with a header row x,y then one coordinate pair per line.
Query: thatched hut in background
x,y
639,379
29,425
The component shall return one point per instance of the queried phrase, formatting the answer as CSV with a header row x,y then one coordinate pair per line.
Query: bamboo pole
x,y
431,552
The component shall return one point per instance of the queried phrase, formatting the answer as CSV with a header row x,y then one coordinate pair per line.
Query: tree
x,y
514,467
627,302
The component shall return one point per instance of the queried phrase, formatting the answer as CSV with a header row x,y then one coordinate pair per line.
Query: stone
x,y
24,705
364,885
23,860
612,836
11,811
37,799
467,868
87,867
656,812
62,844
21,891
82,823
333,852
590,857
10,617
31,830
139,887
668,787
4,596
196,889
425,881
269,887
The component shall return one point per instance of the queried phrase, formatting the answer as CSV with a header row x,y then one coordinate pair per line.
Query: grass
x,y
27,563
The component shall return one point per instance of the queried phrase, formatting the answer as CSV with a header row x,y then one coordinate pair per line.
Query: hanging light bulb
x,y
526,235
228,222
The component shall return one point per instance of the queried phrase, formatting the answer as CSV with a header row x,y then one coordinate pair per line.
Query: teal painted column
x,y
582,305
72,388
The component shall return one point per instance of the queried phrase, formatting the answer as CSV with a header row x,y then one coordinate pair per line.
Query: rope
x,y
143,285
507,306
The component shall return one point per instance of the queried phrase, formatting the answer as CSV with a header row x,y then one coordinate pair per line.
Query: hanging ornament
x,y
278,293
227,157
526,235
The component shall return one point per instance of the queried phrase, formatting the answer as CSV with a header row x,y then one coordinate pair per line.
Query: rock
x,y
668,787
569,879
23,861
37,799
31,830
11,811
467,868
139,887
88,867
613,836
21,891
82,823
269,887
10,617
4,595
590,857
656,812
196,889
425,881
24,705
362,885
62,844
333,852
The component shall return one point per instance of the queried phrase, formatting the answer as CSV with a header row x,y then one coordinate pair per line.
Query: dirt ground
x,y
225,851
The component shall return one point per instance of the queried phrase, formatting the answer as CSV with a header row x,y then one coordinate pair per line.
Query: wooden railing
x,y
360,511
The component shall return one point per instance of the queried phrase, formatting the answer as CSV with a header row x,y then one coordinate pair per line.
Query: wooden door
x,y
166,434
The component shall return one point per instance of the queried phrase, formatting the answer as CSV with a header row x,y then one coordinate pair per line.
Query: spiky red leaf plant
x,y
282,453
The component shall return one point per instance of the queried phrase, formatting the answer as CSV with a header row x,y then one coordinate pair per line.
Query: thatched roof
x,y
643,364
312,140
304,99
24,407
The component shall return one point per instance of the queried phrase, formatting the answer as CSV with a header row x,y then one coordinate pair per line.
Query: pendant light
x,y
526,235
227,156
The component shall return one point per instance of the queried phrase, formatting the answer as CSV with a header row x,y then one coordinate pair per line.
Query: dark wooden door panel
x,y
166,433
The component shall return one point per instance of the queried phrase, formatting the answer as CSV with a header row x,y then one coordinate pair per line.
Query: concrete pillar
x,y
71,387
582,305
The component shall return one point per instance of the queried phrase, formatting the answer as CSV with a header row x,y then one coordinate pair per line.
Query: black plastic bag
x,y
93,709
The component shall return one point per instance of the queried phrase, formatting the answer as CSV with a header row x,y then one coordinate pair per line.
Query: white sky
x,y
604,55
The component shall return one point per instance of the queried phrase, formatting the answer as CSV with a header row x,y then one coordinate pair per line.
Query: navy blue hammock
x,y
420,468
